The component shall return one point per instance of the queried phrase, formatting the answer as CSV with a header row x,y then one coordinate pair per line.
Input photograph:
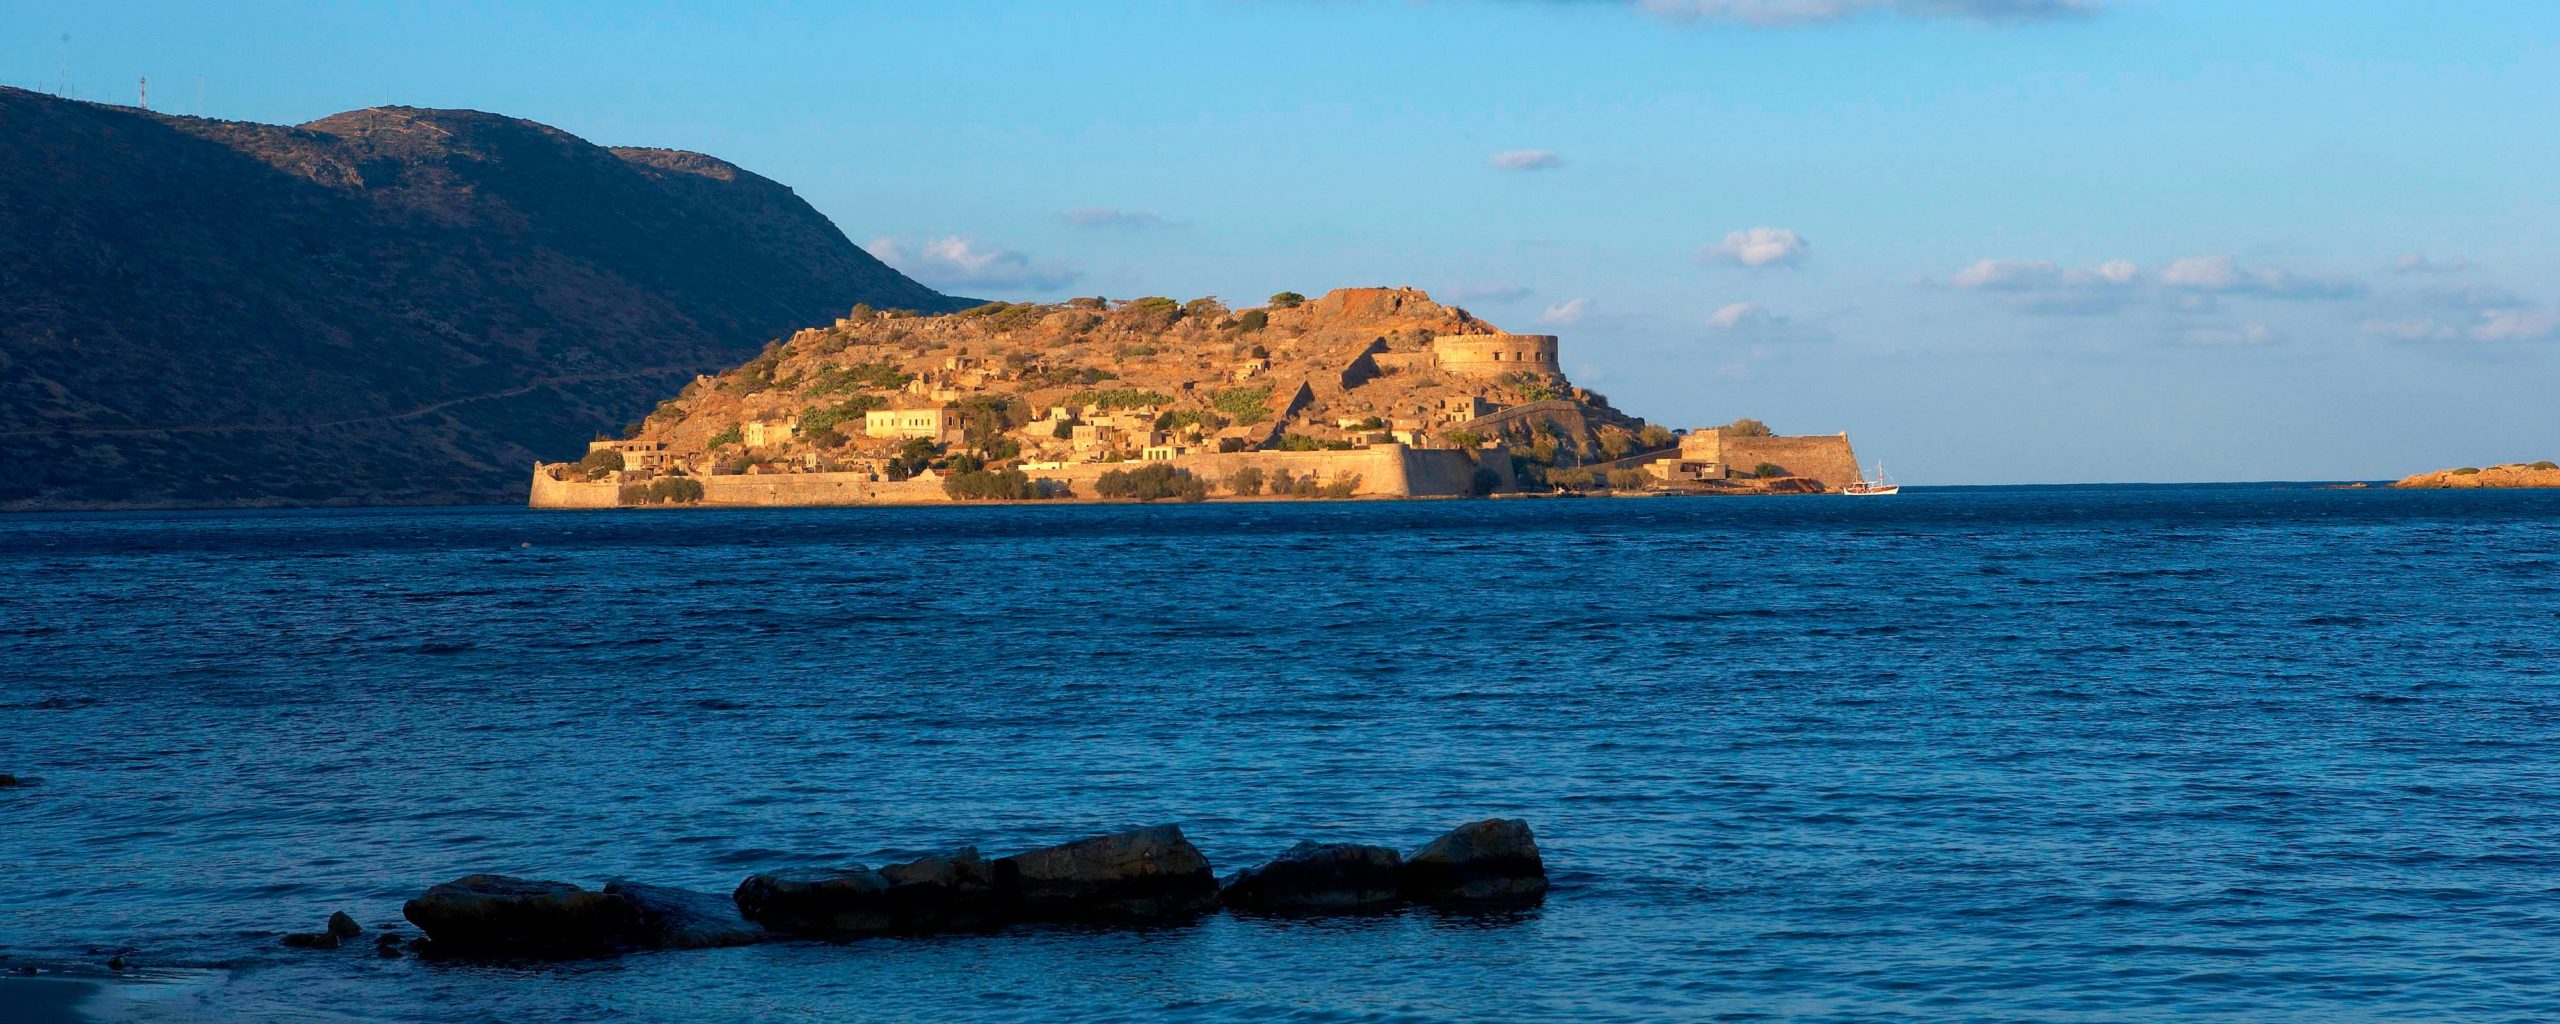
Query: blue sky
x,y
1995,240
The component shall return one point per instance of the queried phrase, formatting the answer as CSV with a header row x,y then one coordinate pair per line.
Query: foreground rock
x,y
1495,860
1150,875
670,918
500,916
817,901
344,926
944,892
1320,878
8,781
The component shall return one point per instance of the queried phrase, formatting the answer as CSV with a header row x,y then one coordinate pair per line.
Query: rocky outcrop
x,y
1495,860
1149,875
818,901
1320,878
8,781
2538,474
944,892
344,926
500,916
669,918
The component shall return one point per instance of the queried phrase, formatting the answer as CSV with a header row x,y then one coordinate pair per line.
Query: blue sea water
x,y
2242,753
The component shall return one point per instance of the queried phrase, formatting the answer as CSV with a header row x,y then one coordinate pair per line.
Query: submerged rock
x,y
495,915
311,940
343,926
1152,874
1495,860
8,781
1319,877
943,892
387,947
670,918
818,901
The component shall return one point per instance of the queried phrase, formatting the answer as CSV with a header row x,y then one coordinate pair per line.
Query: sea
x,y
2273,752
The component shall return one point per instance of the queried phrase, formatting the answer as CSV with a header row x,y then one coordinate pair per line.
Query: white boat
x,y
1874,485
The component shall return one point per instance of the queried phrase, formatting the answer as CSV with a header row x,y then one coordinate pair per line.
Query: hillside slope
x,y
391,305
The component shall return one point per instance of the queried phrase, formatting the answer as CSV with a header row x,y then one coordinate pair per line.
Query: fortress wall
x,y
818,489
1390,470
1824,457
1492,355
550,493
1401,362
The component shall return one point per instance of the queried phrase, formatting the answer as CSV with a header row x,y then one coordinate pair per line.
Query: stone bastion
x,y
1492,355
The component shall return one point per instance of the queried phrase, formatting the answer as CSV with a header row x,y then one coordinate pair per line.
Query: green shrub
x,y
1616,442
1767,470
1253,320
1206,307
1151,482
823,437
1282,483
1744,427
1304,443
674,490
600,462
1247,406
1152,313
835,416
2545,464
1655,435
1342,486
984,418
1629,480
1287,300
859,376
2467,471
990,485
1120,398
1305,487
736,434
1463,438
1246,481
1572,479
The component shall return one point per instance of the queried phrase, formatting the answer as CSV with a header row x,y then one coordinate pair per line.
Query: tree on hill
x,y
1287,300
1744,427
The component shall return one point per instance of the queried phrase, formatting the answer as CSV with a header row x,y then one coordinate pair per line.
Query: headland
x,y
2515,474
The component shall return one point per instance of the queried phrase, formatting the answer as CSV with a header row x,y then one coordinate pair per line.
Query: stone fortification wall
x,y
1823,457
1387,470
551,493
1492,355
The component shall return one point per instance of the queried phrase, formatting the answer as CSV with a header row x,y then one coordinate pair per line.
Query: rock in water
x,y
343,926
668,918
1492,860
495,915
943,892
311,940
1152,874
1319,877
818,901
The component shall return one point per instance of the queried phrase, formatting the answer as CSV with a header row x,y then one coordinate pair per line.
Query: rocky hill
x,y
391,305
2538,474
1095,381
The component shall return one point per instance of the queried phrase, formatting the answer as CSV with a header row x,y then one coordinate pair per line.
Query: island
x,y
1362,393
2515,474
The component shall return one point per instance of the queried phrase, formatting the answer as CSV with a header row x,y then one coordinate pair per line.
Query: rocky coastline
x,y
1144,878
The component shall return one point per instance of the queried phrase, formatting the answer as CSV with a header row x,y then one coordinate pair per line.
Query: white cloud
x,y
2224,274
2245,335
1760,247
2516,324
1106,217
1786,13
2419,263
1527,160
1739,314
955,262
1566,313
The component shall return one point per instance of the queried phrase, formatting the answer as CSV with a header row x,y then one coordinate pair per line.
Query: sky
x,y
1996,241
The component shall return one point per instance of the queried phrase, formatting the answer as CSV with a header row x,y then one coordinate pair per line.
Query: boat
x,y
1874,485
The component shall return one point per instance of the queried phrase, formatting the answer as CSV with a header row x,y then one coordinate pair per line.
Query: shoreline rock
x,y
1316,877
502,916
1149,875
1490,861
664,917
817,901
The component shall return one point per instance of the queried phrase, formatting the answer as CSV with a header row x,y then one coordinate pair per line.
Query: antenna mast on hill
x,y
146,92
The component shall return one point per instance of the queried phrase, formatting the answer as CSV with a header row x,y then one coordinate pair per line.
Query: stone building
x,y
1494,355
917,419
